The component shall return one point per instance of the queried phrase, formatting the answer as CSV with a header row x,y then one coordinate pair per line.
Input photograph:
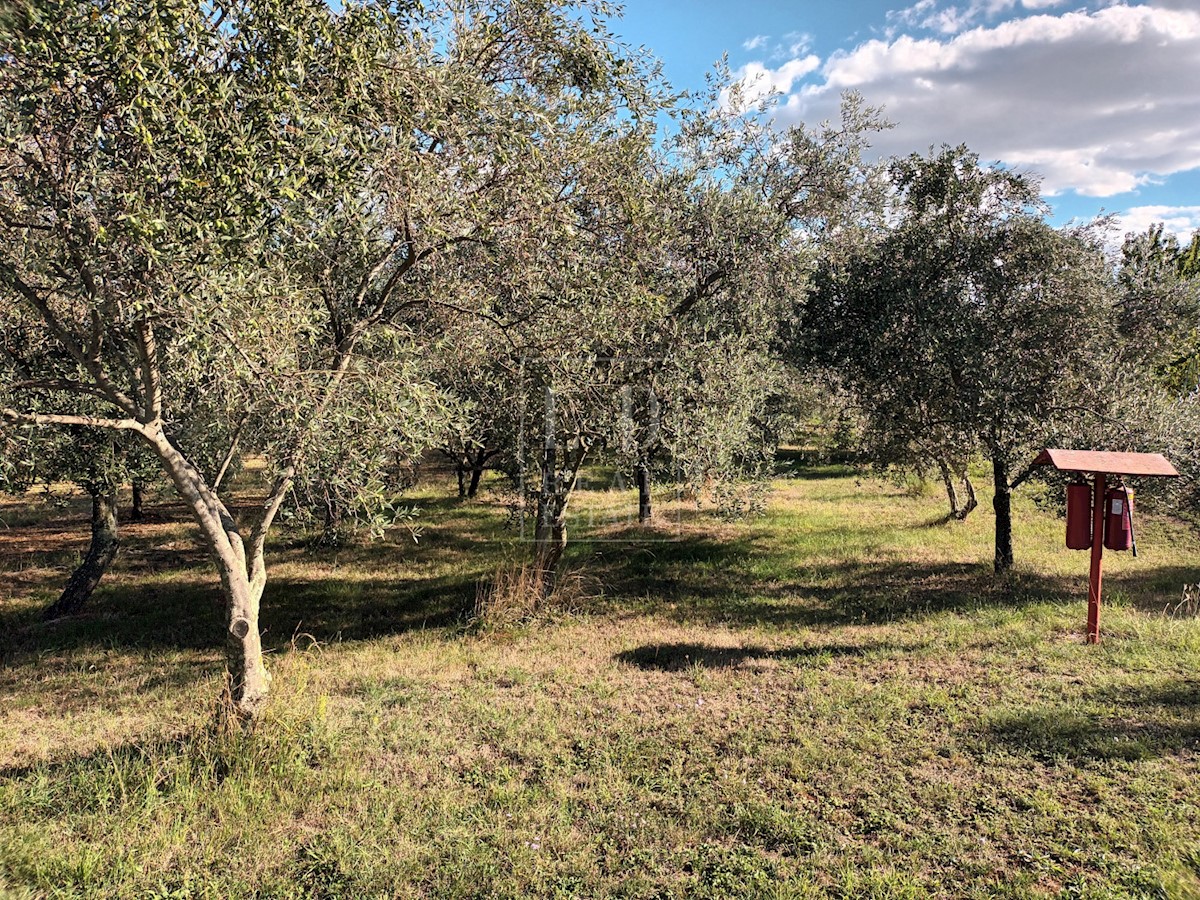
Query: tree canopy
x,y
968,325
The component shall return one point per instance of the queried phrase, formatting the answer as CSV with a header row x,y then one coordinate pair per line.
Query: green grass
x,y
837,700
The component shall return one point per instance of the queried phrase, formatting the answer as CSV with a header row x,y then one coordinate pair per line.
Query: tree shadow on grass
x,y
188,615
701,579
678,657
162,592
1121,722
363,608
1171,590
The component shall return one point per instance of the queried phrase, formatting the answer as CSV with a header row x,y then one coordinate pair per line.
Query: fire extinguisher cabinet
x,y
1105,518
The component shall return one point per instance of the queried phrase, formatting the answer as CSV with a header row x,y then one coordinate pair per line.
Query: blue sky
x,y
1102,99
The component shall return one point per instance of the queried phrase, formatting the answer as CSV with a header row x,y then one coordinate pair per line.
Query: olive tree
x,y
1152,363
226,218
969,323
744,207
1159,307
96,463
677,285
141,143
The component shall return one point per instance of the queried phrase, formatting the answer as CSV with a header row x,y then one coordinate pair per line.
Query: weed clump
x,y
520,593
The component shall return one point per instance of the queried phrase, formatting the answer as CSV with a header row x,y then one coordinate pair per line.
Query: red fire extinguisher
x,y
1118,519
1079,516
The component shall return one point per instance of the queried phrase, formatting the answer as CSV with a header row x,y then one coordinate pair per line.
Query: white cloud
x,y
798,43
1182,221
754,43
955,18
759,80
1098,101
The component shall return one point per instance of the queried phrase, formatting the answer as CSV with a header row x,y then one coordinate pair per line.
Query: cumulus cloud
x,y
1182,221
952,19
759,80
1098,101
798,43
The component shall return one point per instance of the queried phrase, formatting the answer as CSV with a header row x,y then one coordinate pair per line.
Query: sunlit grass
x,y
836,700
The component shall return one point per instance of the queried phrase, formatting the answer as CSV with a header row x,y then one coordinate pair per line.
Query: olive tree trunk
x,y
550,542
958,509
641,474
136,512
478,464
242,571
972,500
468,469
1002,504
951,490
550,531
100,554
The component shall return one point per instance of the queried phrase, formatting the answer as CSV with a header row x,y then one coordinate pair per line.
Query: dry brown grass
x,y
519,593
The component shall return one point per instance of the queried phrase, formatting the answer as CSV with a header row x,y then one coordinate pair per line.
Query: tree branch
x,y
151,382
258,536
1022,478
237,436
59,384
92,366
697,294
55,419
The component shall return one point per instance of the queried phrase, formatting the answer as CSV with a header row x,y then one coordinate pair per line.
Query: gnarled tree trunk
x,y
468,469
478,464
242,571
972,500
951,490
550,542
550,532
951,479
100,554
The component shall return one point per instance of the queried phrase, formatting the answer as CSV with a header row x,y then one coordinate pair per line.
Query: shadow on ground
x,y
163,594
1122,722
683,656
188,615
700,579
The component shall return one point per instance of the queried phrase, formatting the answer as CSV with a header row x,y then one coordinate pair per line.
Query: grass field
x,y
835,700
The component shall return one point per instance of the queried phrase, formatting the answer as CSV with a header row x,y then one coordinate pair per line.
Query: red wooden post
x,y
1095,577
